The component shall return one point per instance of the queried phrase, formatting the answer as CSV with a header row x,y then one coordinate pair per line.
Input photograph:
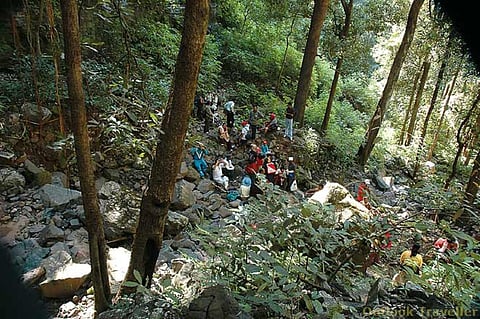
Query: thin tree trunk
x,y
461,142
409,108
442,117
287,45
438,86
416,105
376,121
94,220
347,8
474,181
304,80
56,62
156,201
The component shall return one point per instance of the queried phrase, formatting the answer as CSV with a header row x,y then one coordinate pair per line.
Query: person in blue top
x,y
198,153
264,149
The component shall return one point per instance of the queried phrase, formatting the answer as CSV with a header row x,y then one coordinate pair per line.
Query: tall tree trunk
x,y
461,141
409,108
347,8
474,181
438,86
376,121
442,117
96,236
170,146
303,88
416,105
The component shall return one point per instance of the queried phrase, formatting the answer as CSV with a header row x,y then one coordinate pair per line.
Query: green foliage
x,y
283,254
137,284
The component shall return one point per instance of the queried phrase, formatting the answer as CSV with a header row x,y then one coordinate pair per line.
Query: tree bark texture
x,y
318,17
169,151
96,236
409,108
376,121
347,8
442,117
416,105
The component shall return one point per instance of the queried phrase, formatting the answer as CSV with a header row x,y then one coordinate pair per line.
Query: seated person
x,y
446,244
217,173
411,259
198,153
229,167
272,125
224,136
254,152
264,149
245,187
270,168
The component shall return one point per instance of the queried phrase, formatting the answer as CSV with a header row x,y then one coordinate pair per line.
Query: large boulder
x,y
174,224
35,113
120,209
183,196
37,175
11,181
58,197
214,303
340,198
118,260
66,281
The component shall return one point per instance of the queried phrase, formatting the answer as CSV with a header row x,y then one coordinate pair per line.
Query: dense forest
x,y
111,107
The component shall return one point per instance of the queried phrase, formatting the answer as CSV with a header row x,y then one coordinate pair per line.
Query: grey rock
x,y
50,234
60,179
183,196
206,185
58,197
35,113
174,224
109,189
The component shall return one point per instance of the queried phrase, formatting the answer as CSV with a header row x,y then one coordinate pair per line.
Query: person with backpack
x,y
289,114
271,125
228,107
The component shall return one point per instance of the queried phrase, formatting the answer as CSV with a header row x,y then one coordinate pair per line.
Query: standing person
x,y
199,110
244,134
254,120
198,153
289,114
290,173
230,113
224,136
208,117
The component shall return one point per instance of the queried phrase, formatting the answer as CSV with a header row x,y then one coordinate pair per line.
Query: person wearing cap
x,y
230,113
271,125
198,153
290,173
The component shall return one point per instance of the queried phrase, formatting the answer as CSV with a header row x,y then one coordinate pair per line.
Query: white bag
x,y
293,187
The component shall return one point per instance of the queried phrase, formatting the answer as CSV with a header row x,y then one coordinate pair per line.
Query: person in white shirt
x,y
217,173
